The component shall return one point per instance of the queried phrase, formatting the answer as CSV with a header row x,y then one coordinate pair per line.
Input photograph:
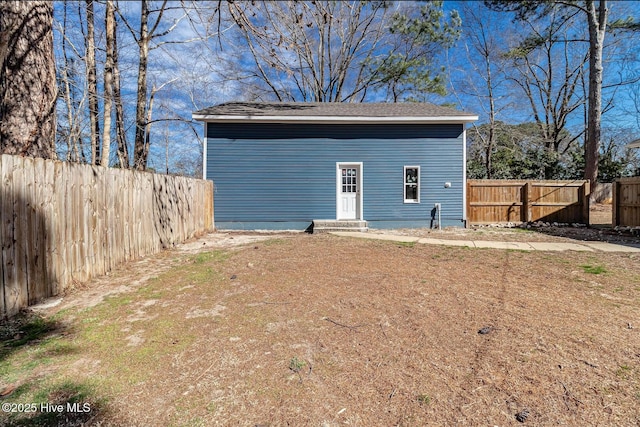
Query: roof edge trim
x,y
331,119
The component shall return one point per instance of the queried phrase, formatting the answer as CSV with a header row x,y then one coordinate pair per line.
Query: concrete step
x,y
327,225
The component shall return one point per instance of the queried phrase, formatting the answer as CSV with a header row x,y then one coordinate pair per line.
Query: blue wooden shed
x,y
331,165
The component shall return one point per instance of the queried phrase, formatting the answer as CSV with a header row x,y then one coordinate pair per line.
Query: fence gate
x,y
626,202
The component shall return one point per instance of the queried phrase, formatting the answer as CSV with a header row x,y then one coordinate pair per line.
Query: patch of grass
x,y
22,330
406,244
115,301
212,256
424,399
623,371
26,342
296,364
272,242
150,292
522,230
202,275
593,269
206,269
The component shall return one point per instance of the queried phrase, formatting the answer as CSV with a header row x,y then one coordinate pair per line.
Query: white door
x,y
348,191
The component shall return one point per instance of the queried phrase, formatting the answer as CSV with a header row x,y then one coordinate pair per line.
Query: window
x,y
412,184
349,177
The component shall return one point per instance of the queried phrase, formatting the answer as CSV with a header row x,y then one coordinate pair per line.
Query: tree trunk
x,y
28,89
597,27
73,131
92,86
123,150
139,151
147,133
108,83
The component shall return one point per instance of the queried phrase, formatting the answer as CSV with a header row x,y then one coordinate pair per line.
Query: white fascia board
x,y
332,119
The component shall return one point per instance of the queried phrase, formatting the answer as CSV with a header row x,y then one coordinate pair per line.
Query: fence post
x,y
467,204
586,200
615,199
526,204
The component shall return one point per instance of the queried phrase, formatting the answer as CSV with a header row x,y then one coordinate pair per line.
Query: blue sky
x,y
190,75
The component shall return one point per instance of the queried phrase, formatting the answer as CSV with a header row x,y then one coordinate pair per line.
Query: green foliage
x,y
528,45
424,399
296,364
628,24
519,153
408,71
521,8
611,163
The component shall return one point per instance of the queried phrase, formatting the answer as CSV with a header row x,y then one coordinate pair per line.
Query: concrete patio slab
x,y
555,246
488,244
612,247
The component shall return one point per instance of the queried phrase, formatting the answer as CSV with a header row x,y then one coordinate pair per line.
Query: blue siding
x,y
286,173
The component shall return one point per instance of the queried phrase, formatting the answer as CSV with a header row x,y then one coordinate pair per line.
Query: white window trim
x,y
404,183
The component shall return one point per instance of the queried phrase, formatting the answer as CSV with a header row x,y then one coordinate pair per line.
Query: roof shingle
x,y
320,110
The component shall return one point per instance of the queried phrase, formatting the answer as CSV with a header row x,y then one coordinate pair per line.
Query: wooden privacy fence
x,y
64,222
626,201
517,201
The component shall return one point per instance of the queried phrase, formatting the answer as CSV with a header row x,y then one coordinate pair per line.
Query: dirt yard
x,y
320,330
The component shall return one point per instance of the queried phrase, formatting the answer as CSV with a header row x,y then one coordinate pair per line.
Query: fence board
x,y
37,275
9,268
626,202
29,214
57,241
63,222
516,201
49,227
20,292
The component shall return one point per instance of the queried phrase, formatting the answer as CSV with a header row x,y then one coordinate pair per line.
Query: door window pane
x,y
349,180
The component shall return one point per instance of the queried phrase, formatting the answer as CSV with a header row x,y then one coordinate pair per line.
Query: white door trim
x,y
359,193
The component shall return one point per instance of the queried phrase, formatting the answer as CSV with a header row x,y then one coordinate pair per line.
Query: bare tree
x,y
68,76
28,88
596,15
328,51
549,74
484,47
321,47
92,85
149,30
121,137
110,31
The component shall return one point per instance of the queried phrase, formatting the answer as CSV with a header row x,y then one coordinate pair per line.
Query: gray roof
x,y
332,111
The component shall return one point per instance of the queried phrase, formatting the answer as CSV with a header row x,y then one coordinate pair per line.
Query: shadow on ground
x,y
24,329
66,404
30,402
